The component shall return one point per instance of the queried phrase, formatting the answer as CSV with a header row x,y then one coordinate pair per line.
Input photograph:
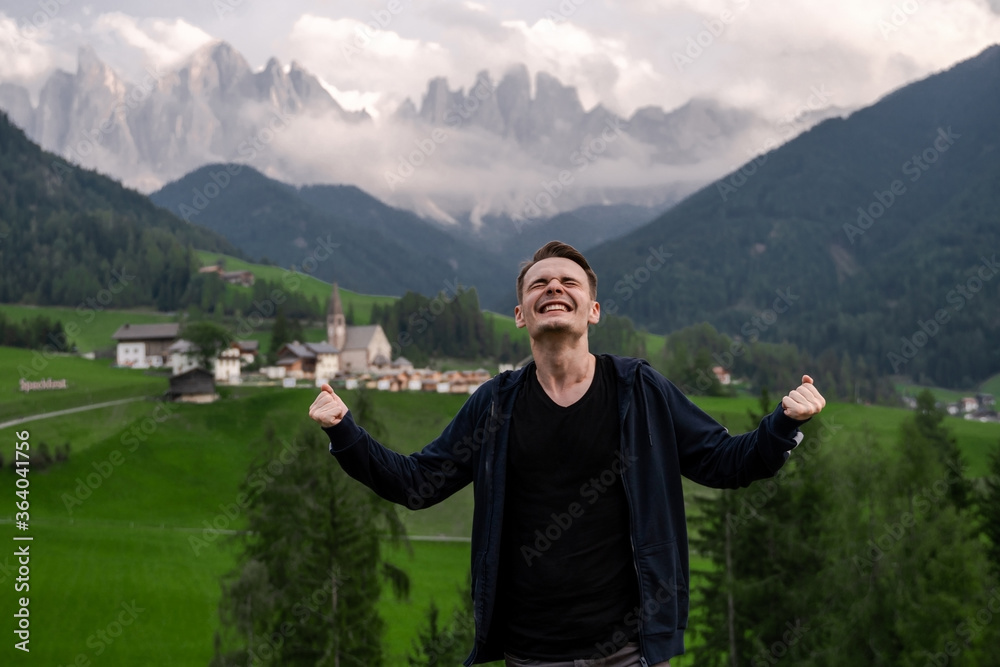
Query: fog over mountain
x,y
505,145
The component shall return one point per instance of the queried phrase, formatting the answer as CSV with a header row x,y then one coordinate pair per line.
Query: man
x,y
579,541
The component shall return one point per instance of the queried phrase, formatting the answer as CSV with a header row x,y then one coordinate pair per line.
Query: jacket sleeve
x,y
420,479
709,455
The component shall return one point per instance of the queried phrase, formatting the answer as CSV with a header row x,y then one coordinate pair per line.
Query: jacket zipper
x,y
631,525
480,632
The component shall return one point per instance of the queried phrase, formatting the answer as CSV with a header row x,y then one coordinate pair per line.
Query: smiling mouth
x,y
561,307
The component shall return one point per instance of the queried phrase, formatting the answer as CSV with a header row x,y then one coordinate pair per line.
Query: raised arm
x,y
709,455
419,480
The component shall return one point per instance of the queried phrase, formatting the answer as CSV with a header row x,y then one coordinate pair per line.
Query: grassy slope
x,y
991,386
95,328
88,382
309,286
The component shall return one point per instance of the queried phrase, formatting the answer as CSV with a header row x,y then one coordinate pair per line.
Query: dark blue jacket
x,y
663,436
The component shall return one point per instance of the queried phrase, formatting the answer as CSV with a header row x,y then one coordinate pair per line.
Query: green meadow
x,y
87,382
113,526
91,329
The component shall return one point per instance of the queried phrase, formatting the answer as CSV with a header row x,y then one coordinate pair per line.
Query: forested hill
x,y
360,242
882,226
67,234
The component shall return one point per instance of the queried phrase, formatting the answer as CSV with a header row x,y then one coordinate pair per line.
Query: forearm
x,y
418,480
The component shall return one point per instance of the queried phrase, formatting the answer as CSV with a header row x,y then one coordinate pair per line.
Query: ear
x,y
595,313
519,317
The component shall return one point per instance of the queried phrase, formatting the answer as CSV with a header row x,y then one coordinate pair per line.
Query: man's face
x,y
556,298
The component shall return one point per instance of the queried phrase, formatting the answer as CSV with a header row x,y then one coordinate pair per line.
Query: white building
x,y
228,365
145,345
183,356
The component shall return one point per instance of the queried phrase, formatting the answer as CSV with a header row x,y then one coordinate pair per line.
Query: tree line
x,y
33,333
690,354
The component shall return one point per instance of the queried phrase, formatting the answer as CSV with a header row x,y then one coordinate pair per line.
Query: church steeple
x,y
336,324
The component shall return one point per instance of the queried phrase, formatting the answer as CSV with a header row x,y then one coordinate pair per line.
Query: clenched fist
x,y
327,409
803,402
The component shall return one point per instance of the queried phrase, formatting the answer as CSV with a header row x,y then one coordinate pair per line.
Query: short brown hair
x,y
558,249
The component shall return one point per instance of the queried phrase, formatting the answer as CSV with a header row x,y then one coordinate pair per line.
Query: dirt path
x,y
69,411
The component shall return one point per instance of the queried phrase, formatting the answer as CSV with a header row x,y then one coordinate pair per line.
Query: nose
x,y
553,286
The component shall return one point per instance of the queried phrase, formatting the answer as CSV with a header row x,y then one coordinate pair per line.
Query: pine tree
x,y
989,510
279,334
310,573
439,645
928,423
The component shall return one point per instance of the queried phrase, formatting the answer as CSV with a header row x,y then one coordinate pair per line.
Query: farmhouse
x,y
145,345
308,360
244,278
195,386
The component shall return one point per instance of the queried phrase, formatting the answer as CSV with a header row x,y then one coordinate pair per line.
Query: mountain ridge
x,y
200,113
873,220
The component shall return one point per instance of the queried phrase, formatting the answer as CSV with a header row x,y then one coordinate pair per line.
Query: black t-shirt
x,y
568,580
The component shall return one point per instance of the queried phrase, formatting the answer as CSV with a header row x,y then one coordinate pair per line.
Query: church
x,y
348,350
361,348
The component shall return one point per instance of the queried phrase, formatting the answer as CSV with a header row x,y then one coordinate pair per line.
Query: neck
x,y
560,363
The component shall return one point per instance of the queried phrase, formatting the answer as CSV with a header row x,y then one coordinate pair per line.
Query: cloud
x,y
162,43
362,59
24,55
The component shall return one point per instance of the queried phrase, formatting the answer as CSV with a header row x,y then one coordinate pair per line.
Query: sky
x,y
769,56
